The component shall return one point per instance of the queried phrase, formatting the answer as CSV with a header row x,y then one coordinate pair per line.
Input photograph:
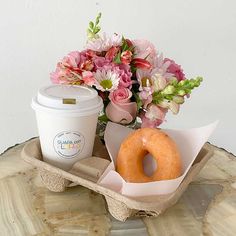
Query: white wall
x,y
200,35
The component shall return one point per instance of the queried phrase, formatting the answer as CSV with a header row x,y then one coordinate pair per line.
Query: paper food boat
x,y
189,143
117,192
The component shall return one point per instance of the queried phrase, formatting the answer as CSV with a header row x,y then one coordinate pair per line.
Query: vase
x,y
101,126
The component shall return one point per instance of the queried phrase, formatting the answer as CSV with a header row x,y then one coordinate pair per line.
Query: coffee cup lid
x,y
66,99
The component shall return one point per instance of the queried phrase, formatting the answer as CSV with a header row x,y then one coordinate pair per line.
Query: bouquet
x,y
132,78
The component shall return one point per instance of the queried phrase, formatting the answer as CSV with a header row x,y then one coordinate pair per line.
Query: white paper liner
x,y
189,143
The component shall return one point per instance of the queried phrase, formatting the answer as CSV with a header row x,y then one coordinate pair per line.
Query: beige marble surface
x,y
208,207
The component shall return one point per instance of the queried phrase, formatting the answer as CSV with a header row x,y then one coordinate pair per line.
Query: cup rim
x,y
67,112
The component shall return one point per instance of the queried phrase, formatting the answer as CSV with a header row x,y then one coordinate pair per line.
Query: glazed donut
x,y
137,145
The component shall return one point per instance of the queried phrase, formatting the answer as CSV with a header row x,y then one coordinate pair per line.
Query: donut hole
x,y
149,165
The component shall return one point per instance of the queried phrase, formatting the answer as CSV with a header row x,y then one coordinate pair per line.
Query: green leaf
x,y
117,59
98,18
89,31
91,25
124,46
138,100
103,118
97,29
93,29
90,34
157,97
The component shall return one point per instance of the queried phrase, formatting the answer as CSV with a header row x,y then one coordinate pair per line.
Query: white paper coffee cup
x,y
67,119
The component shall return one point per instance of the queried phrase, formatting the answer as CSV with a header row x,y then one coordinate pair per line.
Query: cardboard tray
x,y
120,207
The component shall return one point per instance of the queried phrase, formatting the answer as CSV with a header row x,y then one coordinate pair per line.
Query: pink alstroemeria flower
x,y
87,65
88,78
126,57
72,60
111,53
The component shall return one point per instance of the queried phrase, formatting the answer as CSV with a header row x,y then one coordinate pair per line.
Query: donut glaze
x,y
137,145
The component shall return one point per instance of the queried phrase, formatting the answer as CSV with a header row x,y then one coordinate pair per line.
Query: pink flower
x,y
160,67
125,76
104,42
149,123
88,78
122,70
153,117
68,71
144,49
146,96
111,53
87,65
90,53
58,77
126,57
121,109
64,75
72,59
175,69
100,62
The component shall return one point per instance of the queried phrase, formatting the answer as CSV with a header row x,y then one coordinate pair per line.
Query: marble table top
x,y
208,207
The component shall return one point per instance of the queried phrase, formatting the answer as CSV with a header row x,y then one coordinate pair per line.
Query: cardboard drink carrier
x,y
86,172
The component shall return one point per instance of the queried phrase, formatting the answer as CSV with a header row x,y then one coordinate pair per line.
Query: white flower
x,y
159,82
104,42
106,80
173,106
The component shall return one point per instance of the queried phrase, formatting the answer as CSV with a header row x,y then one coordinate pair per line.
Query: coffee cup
x,y
67,118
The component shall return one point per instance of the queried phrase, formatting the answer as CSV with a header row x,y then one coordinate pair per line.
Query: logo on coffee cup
x,y
68,144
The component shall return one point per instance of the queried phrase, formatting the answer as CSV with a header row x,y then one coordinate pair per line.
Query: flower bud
x,y
164,104
142,64
181,92
174,107
182,82
178,99
168,89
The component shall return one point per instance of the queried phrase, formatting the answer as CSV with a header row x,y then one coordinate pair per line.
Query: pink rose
x,y
120,109
175,69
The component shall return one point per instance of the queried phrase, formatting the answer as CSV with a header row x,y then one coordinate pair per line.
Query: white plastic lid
x,y
68,99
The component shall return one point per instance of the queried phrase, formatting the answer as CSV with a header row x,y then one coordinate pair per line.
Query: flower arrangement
x,y
130,76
